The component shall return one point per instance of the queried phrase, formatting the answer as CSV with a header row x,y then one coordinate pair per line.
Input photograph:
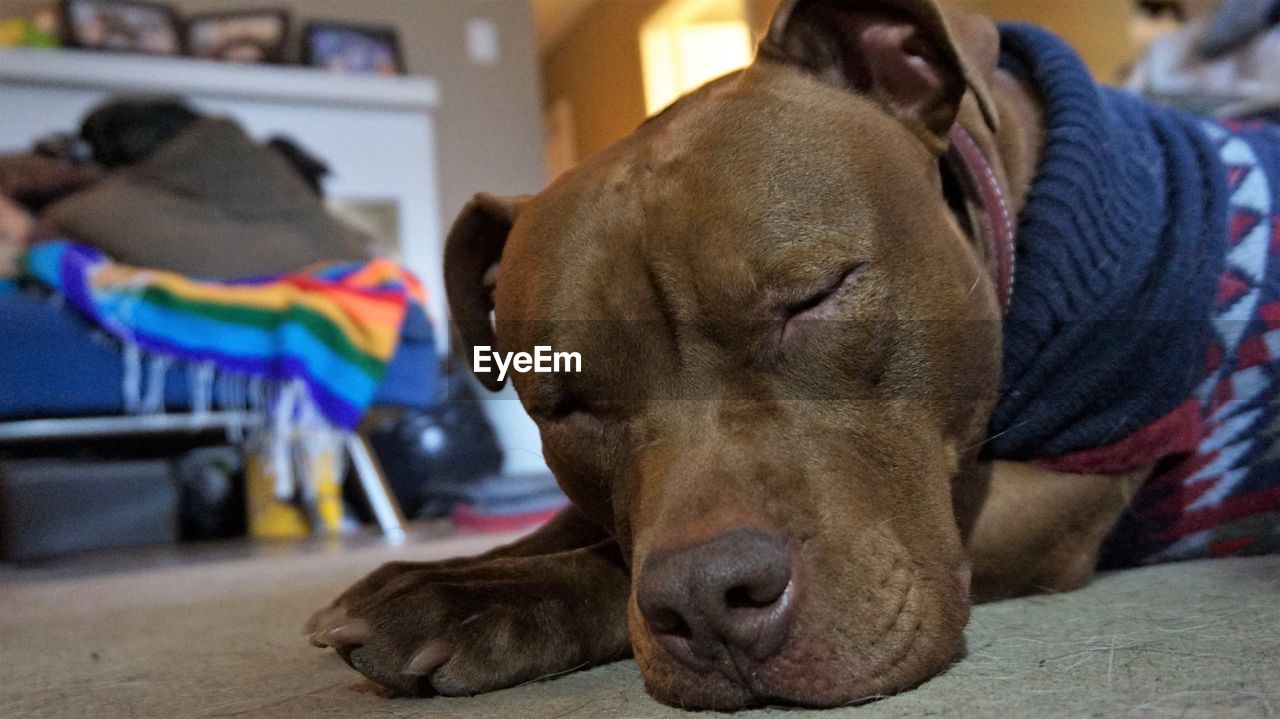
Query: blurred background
x,y
607,64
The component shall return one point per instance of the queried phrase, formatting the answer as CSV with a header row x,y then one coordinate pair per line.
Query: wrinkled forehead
x,y
752,157
719,192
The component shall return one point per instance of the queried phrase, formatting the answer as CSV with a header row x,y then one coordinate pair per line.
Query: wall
x,y
490,119
597,67
597,64
1097,29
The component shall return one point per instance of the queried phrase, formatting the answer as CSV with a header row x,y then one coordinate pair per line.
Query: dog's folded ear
x,y
913,57
472,253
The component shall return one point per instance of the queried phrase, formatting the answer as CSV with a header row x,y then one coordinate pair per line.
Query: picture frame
x,y
240,36
136,26
352,48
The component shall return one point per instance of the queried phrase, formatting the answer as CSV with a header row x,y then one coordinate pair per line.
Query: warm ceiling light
x,y
688,42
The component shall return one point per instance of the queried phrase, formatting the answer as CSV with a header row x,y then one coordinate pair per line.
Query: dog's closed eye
x,y
566,407
821,304
572,412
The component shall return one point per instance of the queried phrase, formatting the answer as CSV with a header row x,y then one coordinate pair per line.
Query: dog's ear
x,y
913,57
472,253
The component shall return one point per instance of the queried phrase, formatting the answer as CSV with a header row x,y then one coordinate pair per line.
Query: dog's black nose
x,y
732,595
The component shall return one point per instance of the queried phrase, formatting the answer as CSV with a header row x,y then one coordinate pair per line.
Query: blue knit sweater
x,y
1120,248
1145,325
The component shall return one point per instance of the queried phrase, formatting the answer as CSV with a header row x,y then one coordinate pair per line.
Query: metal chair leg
x,y
386,510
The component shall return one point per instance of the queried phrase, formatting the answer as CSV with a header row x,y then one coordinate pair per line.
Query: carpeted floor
x,y
218,637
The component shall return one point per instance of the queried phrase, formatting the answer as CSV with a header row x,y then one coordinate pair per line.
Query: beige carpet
x,y
218,637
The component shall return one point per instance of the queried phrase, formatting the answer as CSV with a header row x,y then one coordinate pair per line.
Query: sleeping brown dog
x,y
787,290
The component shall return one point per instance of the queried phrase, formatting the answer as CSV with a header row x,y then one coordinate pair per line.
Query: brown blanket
x,y
209,203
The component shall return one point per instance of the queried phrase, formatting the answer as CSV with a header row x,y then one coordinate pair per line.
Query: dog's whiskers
x,y
553,675
993,437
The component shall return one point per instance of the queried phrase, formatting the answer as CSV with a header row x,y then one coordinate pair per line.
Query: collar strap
x,y
992,224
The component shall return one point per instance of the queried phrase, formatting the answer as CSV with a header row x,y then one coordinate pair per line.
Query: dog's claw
x,y
326,618
351,634
313,622
428,659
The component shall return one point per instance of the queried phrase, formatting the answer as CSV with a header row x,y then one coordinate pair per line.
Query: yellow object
x,y
21,32
322,471
12,32
309,499
269,516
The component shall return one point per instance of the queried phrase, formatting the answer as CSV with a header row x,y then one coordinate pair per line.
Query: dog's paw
x,y
421,635
331,615
425,629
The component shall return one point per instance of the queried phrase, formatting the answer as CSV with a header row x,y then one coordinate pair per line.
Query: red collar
x,y
993,225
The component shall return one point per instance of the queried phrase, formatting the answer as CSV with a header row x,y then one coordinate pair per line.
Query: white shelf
x,y
185,76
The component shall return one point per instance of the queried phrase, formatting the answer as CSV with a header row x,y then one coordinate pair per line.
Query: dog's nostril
x,y
748,596
668,622
726,594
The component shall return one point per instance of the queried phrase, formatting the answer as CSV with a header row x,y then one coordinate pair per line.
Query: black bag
x,y
449,444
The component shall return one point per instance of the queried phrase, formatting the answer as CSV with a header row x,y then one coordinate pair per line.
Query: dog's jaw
x,y
874,645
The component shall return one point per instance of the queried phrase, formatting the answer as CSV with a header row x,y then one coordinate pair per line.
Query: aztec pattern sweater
x,y
1145,324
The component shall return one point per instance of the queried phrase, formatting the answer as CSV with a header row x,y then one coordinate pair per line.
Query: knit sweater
x,y
1145,315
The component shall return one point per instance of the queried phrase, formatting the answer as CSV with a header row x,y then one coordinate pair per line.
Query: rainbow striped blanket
x,y
327,332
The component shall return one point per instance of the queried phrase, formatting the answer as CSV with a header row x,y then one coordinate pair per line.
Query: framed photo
x,y
122,25
352,48
250,36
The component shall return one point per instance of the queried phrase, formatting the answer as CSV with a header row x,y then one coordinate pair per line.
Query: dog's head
x,y
789,352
